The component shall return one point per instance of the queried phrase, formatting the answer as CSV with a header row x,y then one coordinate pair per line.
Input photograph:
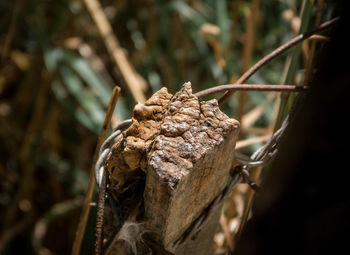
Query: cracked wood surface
x,y
185,148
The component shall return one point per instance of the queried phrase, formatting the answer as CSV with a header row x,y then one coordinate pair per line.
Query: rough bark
x,y
184,150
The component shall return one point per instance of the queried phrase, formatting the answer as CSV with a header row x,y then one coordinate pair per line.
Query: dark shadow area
x,y
304,205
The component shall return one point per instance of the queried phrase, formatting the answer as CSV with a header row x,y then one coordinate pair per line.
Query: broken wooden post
x,y
183,150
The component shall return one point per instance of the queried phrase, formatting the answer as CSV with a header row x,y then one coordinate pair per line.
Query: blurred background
x,y
59,61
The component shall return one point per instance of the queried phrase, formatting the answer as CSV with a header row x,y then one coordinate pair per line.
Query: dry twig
x,y
86,208
248,50
250,141
276,53
308,68
132,79
248,87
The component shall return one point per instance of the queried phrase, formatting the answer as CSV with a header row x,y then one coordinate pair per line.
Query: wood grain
x,y
185,149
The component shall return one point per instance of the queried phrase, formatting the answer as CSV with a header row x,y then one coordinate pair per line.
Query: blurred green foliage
x,y
56,78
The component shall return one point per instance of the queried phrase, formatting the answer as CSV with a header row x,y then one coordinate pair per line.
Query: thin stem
x,y
100,215
293,63
135,82
308,69
86,208
248,87
250,16
275,54
250,141
10,35
319,38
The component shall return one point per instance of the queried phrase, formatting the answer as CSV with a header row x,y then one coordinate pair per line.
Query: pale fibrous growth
x,y
131,232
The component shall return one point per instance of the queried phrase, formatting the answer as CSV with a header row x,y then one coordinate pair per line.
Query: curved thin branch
x,y
276,53
248,87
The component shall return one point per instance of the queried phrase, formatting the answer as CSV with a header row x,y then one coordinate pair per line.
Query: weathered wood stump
x,y
184,150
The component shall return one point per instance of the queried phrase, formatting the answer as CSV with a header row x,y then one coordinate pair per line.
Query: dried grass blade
x,y
86,208
250,141
132,79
